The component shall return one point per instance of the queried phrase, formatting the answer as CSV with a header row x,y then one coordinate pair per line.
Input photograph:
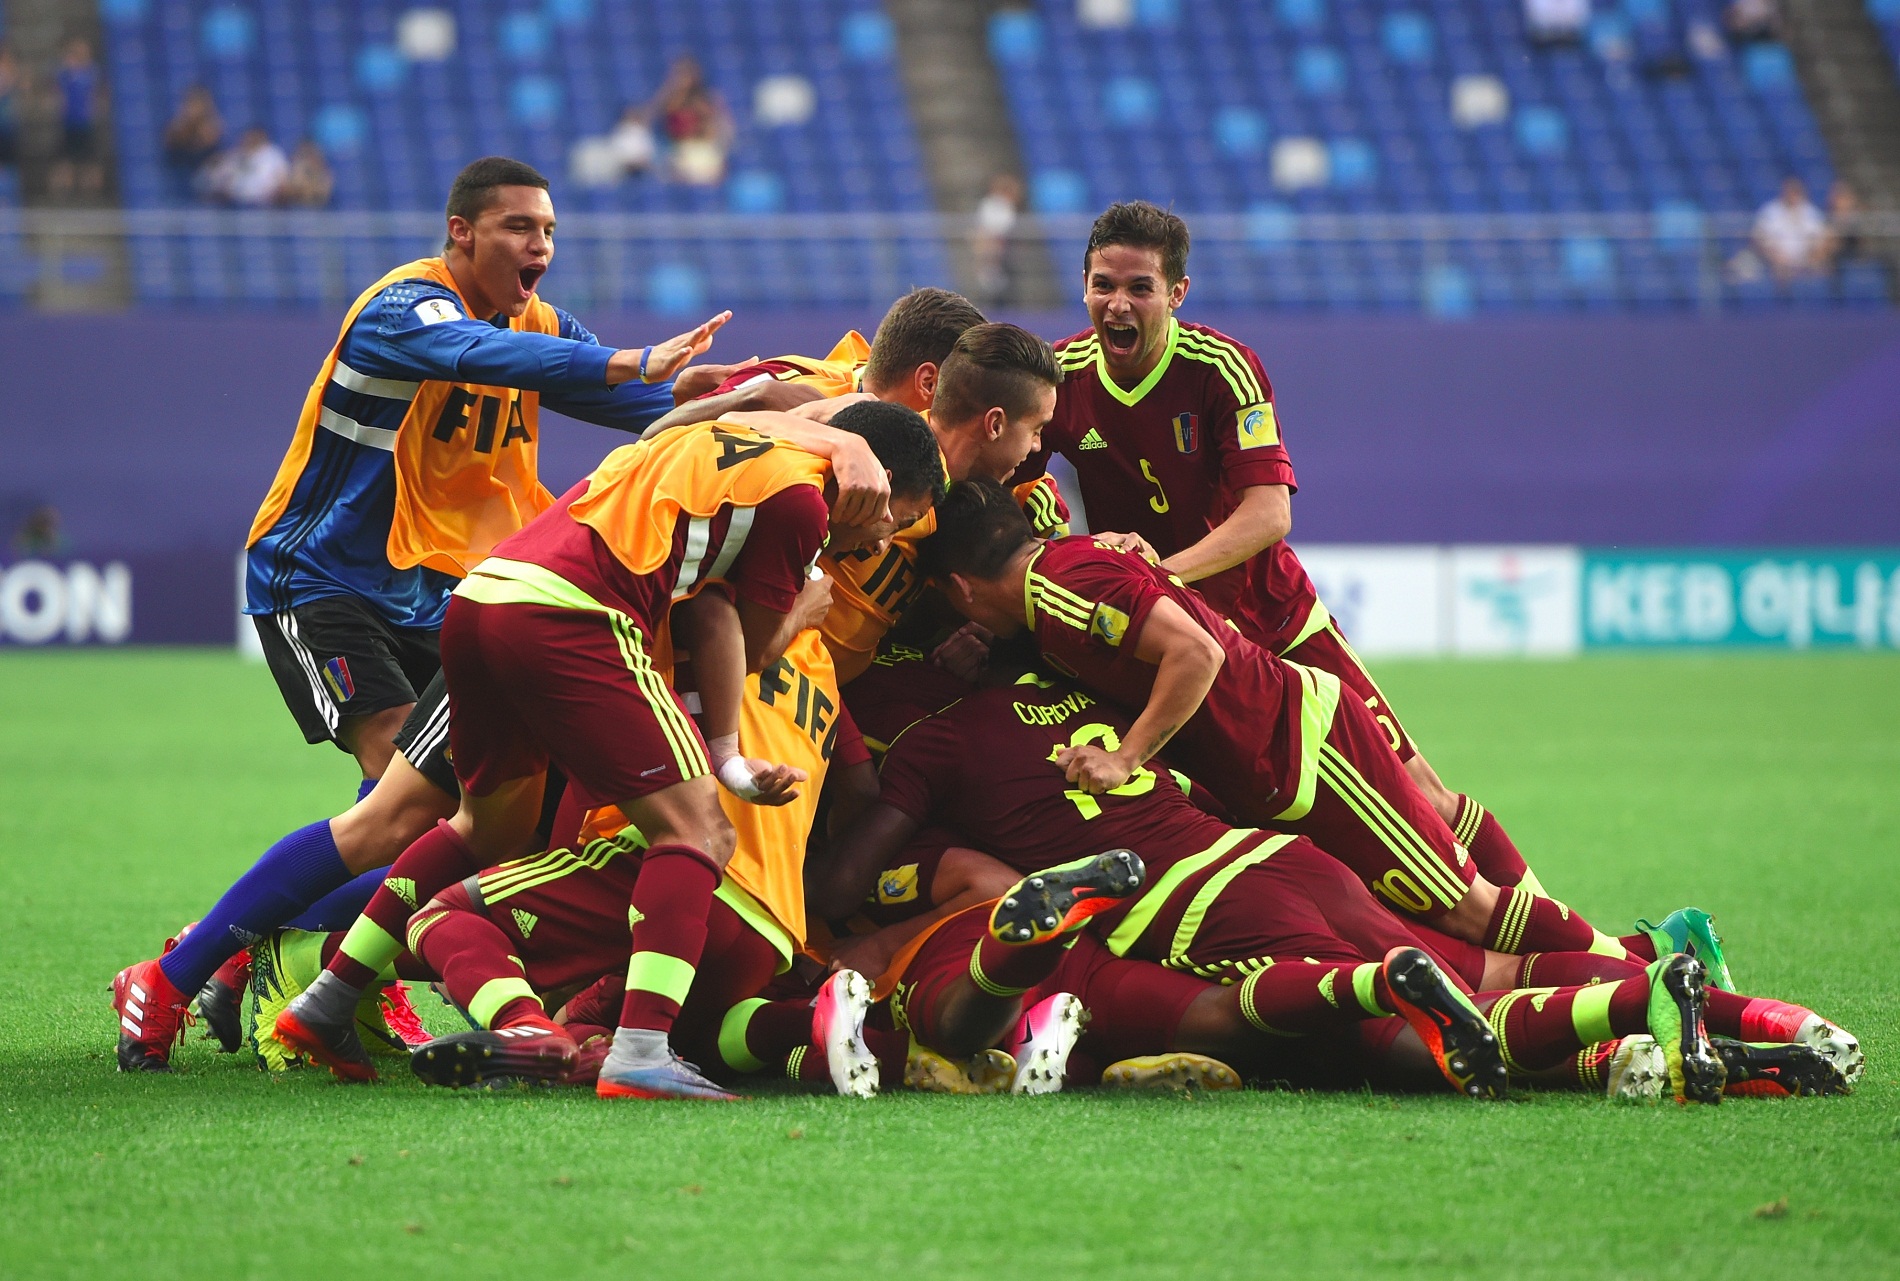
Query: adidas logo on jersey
x,y
525,922
1093,440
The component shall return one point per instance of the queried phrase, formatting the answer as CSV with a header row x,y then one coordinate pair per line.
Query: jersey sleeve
x,y
788,531
1093,603
1246,431
1041,501
920,770
416,330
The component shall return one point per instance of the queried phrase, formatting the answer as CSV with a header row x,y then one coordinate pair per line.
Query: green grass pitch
x,y
136,785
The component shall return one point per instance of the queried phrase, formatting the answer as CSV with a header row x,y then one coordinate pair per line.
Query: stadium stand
x,y
1283,108
530,82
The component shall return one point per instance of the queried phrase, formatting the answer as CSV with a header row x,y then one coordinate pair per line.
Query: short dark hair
x,y
474,188
979,527
902,441
919,329
1142,225
994,365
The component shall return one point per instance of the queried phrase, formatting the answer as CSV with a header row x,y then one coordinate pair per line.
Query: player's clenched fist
x,y
1093,770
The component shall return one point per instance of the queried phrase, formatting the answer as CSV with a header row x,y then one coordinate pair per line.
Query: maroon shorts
x,y
941,961
1369,814
1297,905
1328,650
533,683
1134,1006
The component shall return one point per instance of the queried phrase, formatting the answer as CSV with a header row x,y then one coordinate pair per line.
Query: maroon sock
x,y
1010,969
438,859
1752,1018
1640,946
1536,1031
892,1050
470,951
670,902
1492,849
1300,997
1572,969
777,1028
1524,922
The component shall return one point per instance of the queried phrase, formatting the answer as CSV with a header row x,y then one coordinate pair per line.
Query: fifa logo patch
x,y
1109,623
1186,433
899,885
336,674
1258,427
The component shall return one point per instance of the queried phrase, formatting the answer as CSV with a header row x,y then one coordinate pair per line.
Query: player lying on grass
x,y
1173,433
415,453
1293,937
1274,741
546,651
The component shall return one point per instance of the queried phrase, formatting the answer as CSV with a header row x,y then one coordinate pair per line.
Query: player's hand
x,y
864,487
1134,543
669,357
821,411
813,603
867,954
700,379
965,652
1093,770
760,782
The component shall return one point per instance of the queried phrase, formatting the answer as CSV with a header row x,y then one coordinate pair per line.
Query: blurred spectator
x,y
995,221
1791,235
39,534
194,135
1846,224
1752,20
251,174
309,182
632,141
697,124
10,93
1556,21
80,99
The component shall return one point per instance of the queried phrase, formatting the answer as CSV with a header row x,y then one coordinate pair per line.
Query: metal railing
x,y
1449,264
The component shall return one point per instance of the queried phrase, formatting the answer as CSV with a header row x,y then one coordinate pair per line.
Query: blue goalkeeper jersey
x,y
332,538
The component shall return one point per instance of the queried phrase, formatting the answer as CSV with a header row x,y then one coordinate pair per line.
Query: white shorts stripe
x,y
319,692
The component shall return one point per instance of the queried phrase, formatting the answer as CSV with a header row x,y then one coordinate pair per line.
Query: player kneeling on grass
x,y
555,921
548,654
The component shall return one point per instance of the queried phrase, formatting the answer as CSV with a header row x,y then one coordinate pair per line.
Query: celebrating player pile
x,y
1140,816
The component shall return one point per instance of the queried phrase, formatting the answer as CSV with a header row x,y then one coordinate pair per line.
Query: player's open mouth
x,y
530,276
1121,339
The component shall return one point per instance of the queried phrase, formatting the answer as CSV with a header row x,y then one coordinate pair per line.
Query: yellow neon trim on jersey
x,y
1316,622
1142,914
499,581
754,914
1204,899
1232,365
1319,702
1146,385
1392,830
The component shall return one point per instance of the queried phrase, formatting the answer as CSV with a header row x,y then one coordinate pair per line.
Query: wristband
x,y
644,353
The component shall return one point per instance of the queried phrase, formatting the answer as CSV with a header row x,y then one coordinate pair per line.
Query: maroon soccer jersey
x,y
986,764
764,557
1168,459
898,689
1087,605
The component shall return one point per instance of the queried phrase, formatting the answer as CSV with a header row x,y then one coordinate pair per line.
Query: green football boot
x,y
282,966
1696,1072
1691,931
